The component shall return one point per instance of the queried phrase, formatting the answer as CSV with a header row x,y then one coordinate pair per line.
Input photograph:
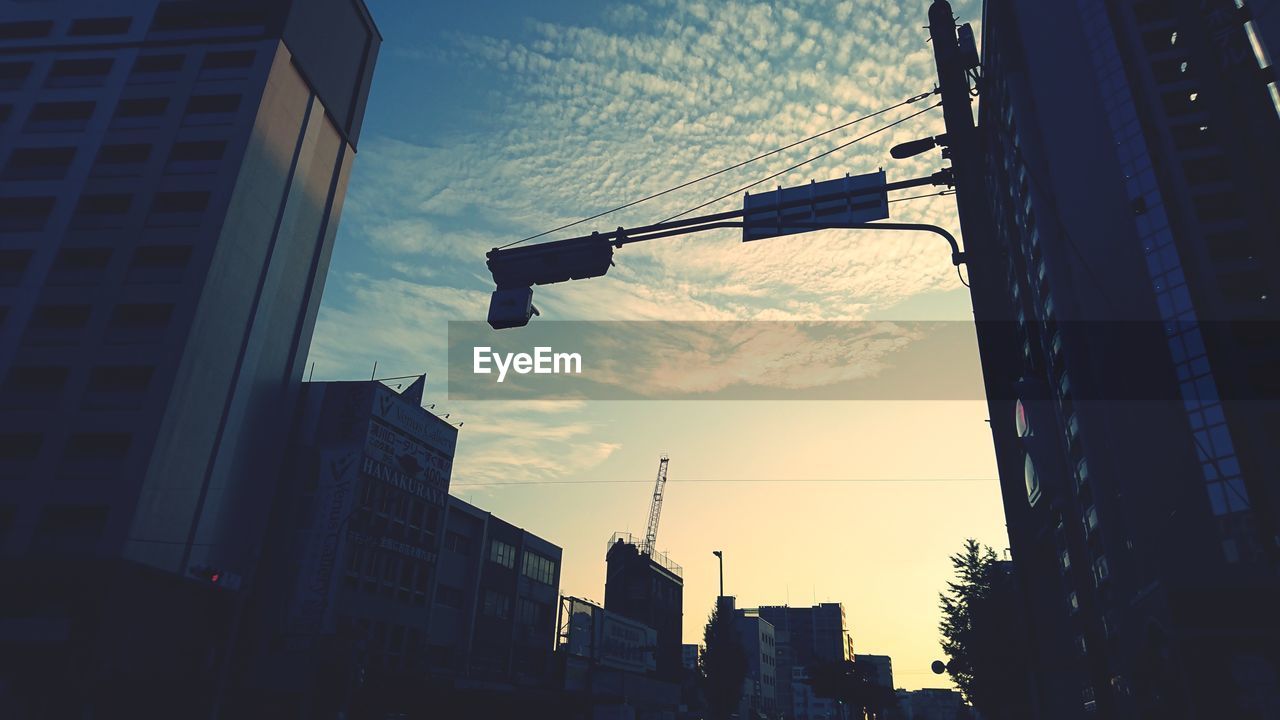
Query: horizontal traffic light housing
x,y
553,262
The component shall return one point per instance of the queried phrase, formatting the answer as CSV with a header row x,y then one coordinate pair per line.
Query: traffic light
x,y
215,577
553,262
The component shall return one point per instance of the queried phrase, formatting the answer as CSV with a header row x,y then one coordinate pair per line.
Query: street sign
x,y
844,201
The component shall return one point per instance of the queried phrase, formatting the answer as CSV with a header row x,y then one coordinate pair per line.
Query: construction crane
x,y
655,510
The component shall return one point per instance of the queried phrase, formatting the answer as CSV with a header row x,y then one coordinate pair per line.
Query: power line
x,y
729,480
721,171
940,193
804,162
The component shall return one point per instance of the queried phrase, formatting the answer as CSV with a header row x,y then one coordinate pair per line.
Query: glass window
x,y
502,553
539,568
497,604
1032,481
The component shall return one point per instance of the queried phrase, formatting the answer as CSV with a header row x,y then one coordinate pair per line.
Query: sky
x,y
492,121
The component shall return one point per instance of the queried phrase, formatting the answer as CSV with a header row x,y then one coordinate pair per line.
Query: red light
x,y
214,577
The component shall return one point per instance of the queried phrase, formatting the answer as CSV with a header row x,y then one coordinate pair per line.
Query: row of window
x,y
89,72
389,574
96,446
149,264
61,324
110,387
66,116
113,160
104,211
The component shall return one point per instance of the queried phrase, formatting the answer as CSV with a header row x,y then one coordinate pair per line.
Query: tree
x,y
982,635
855,684
723,664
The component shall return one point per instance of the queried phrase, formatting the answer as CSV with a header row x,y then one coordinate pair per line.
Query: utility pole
x,y
987,257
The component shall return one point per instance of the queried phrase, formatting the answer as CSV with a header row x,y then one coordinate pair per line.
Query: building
x,y
879,667
648,588
932,704
1130,150
493,618
379,591
805,636
345,587
690,654
171,179
759,695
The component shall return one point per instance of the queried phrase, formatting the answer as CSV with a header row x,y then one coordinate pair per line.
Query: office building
x,y
690,654
171,179
759,693
804,637
493,619
344,589
1131,150
878,667
648,588
931,704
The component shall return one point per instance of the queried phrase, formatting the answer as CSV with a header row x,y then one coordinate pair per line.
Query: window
x,y
100,26
195,157
20,446
121,160
211,109
155,69
159,263
25,29
13,74
81,72
502,553
105,211
142,315
98,446
497,604
1100,570
1032,480
182,16
13,263
140,112
450,597
59,116
69,528
117,386
177,208
79,266
1090,520
539,568
46,163
457,543
227,60
30,385
139,322
528,612
24,214
60,316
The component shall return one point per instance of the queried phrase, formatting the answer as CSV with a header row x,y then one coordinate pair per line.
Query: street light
x,y
720,555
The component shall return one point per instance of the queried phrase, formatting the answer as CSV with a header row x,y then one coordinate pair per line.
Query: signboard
x,y
624,644
764,220
312,610
608,639
415,422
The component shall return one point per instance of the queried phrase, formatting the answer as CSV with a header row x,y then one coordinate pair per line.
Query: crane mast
x,y
655,510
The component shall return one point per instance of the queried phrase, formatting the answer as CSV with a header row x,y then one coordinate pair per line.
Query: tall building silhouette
x,y
171,178
648,588
1131,154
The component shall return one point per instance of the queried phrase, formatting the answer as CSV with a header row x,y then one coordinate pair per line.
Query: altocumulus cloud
x,y
628,100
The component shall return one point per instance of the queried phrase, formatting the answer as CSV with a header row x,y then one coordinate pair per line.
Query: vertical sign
x,y
312,611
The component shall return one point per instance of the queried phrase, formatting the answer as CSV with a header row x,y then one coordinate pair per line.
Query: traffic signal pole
x,y
988,263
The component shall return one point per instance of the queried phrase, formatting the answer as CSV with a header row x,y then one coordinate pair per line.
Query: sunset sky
x,y
492,121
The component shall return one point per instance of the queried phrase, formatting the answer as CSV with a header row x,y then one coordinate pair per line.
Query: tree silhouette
x,y
723,665
855,684
982,634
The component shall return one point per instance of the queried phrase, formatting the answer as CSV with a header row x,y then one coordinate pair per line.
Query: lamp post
x,y
720,554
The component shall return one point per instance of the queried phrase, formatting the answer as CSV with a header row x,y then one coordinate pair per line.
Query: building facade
x,y
171,179
805,636
1130,150
493,618
648,588
760,689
